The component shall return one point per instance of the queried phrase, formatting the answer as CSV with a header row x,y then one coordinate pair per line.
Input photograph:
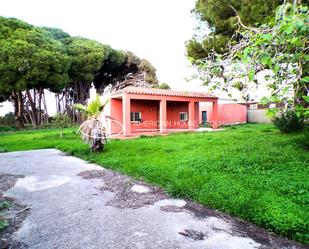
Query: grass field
x,y
250,171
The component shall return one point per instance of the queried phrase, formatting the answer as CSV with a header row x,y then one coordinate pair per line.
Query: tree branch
x,y
240,22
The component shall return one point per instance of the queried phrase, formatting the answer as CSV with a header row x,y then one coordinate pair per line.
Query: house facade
x,y
139,110
228,113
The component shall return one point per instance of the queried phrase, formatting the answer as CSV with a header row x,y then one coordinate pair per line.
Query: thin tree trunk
x,y
18,109
29,114
39,113
33,109
45,107
26,119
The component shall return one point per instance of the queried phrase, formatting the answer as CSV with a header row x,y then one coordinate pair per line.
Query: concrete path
x,y
74,204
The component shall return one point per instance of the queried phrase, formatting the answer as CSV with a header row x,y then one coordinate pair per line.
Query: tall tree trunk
x,y
26,119
29,114
18,103
40,120
45,107
33,108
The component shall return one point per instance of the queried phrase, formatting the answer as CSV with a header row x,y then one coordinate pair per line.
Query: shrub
x,y
6,128
61,121
164,86
7,122
3,224
288,122
7,119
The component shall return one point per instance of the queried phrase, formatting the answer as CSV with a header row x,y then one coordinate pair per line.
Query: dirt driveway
x,y
59,201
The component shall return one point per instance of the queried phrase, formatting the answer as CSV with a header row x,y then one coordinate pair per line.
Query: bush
x,y
8,120
6,128
61,121
164,86
289,122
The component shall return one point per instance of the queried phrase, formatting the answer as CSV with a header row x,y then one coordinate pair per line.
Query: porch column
x,y
215,123
126,110
162,115
191,120
197,115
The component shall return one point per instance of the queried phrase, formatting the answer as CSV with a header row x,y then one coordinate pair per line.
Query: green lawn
x,y
250,171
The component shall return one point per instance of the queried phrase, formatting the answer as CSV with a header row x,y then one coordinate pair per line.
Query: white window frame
x,y
272,105
253,107
133,117
185,116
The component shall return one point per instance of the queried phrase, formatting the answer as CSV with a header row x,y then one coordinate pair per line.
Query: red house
x,y
228,113
141,110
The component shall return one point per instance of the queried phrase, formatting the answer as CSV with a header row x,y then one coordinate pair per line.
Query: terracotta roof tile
x,y
163,92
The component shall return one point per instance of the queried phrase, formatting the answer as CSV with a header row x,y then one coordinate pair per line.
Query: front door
x,y
204,118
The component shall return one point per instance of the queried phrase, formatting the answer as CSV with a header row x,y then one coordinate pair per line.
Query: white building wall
x,y
258,116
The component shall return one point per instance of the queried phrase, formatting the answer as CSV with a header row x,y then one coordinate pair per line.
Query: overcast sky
x,y
152,29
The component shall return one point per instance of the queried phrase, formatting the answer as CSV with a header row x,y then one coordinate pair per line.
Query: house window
x,y
183,116
253,107
272,105
136,116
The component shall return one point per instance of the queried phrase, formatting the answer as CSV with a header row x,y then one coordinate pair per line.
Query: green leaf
x,y
305,79
288,29
4,205
264,100
265,58
3,224
272,112
276,68
81,108
266,37
306,98
251,74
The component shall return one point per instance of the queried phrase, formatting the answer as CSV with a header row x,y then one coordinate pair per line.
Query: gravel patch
x,y
127,192
14,214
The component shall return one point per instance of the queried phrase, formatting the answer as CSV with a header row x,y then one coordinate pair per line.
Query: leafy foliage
x,y
93,130
93,109
4,205
7,119
29,57
117,66
223,22
61,121
33,59
3,224
163,86
289,122
87,58
280,46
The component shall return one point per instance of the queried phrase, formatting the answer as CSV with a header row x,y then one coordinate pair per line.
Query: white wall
x,y
258,116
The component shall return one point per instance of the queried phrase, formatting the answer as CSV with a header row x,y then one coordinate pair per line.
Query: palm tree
x,y
93,130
